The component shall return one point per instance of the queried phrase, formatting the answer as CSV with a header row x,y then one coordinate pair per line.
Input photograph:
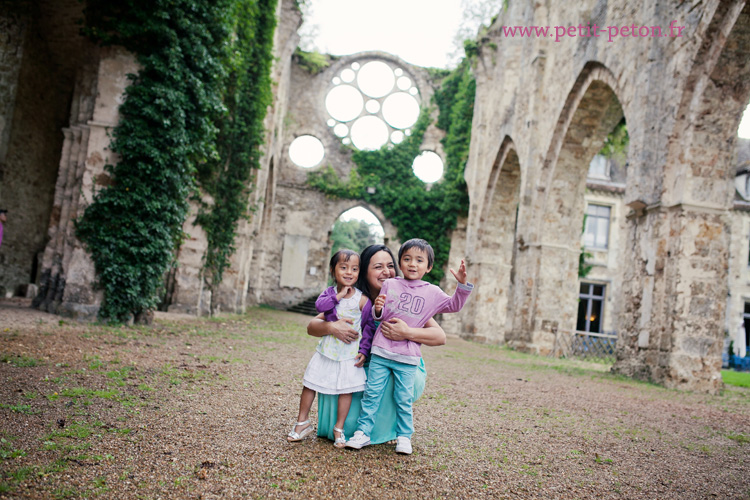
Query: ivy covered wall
x,y
192,119
416,209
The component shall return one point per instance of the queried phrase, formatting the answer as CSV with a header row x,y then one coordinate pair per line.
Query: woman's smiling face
x,y
380,269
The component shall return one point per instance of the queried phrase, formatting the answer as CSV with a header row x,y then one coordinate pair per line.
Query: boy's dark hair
x,y
422,245
344,254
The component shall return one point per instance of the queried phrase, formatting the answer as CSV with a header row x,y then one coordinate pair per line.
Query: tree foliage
x,y
247,95
616,143
353,234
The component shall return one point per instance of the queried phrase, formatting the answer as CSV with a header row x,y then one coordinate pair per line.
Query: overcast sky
x,y
420,32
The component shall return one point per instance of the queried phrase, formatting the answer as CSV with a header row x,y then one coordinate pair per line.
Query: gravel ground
x,y
199,408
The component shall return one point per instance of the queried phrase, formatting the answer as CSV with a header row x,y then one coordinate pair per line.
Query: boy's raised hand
x,y
461,274
379,304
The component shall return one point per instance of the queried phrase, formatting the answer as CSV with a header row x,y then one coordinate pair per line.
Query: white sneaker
x,y
358,440
403,445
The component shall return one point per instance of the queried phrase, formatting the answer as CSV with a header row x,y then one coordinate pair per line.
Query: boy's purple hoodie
x,y
414,302
327,303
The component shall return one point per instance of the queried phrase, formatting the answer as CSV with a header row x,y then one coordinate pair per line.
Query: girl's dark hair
x,y
364,264
342,255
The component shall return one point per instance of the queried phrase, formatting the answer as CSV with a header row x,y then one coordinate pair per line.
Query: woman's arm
x,y
431,334
341,329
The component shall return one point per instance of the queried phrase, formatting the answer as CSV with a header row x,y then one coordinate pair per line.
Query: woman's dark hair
x,y
364,264
342,255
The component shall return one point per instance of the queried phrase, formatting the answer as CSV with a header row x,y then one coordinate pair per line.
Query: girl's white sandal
x,y
294,436
341,440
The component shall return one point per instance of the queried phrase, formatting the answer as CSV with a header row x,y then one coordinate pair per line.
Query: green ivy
x,y
415,210
616,143
181,113
314,62
247,96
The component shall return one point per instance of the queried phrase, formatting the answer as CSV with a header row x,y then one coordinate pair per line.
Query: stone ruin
x,y
678,243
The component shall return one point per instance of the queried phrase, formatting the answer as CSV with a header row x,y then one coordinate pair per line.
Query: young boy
x,y
414,301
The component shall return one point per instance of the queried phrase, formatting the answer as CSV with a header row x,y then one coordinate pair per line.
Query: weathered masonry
x,y
542,111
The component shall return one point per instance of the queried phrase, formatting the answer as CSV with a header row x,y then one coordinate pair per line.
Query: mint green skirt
x,y
385,418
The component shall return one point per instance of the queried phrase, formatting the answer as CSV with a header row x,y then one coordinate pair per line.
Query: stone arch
x,y
488,314
591,111
674,299
341,209
716,94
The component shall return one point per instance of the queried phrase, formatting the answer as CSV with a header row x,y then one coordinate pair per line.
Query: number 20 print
x,y
411,304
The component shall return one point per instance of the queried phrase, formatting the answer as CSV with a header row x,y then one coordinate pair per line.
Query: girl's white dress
x,y
331,369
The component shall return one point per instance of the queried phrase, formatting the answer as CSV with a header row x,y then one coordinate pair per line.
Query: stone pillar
x,y
68,275
675,297
676,281
189,295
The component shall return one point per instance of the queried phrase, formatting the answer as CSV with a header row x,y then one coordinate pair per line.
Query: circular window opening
x,y
344,103
376,79
306,151
369,133
428,167
400,110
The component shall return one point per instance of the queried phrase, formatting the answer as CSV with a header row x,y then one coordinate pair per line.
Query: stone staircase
x,y
305,307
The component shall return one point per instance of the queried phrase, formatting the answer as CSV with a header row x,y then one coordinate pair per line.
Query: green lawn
x,y
740,379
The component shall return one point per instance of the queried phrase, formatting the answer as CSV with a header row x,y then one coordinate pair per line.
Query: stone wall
x,y
556,101
46,52
297,246
68,275
244,280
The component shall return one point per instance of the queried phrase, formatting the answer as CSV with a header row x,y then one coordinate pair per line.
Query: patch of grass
x,y
77,392
58,465
62,493
120,375
73,430
739,379
20,361
25,409
96,364
741,438
7,451
70,448
30,395
21,474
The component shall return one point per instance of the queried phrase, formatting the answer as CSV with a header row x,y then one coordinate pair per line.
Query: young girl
x,y
336,367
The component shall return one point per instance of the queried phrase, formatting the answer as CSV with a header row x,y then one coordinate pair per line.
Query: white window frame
x,y
595,166
590,297
595,218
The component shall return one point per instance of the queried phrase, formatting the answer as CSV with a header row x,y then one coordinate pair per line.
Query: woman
x,y
377,264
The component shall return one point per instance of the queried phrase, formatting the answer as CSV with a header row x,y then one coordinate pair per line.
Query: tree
x,y
353,234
